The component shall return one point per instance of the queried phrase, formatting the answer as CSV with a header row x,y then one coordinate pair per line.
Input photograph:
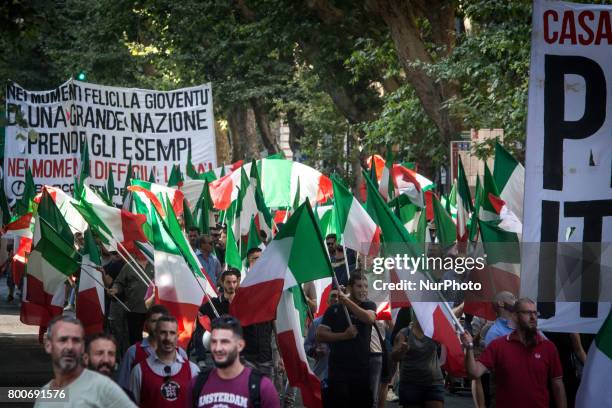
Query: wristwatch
x,y
469,346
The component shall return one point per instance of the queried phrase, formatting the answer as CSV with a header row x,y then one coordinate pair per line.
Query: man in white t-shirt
x,y
79,386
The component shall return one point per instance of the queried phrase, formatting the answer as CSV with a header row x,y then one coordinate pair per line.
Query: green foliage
x,y
337,79
404,122
491,62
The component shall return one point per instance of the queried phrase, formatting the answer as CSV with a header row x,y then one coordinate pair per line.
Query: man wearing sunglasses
x,y
164,379
526,365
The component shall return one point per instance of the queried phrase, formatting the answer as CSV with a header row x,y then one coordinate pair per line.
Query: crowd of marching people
x,y
359,360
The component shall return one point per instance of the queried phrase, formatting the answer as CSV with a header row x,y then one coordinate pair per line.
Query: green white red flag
x,y
90,297
178,286
52,260
446,230
464,204
502,270
356,229
279,181
291,331
434,316
295,256
113,225
509,177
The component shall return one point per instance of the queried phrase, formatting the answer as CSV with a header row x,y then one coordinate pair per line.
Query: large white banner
x,y
153,129
567,226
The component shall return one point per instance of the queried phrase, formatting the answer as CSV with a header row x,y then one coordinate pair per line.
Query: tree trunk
x,y
245,145
401,18
224,149
263,124
235,117
296,132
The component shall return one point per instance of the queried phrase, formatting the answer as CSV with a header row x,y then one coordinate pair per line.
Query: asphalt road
x,y
24,362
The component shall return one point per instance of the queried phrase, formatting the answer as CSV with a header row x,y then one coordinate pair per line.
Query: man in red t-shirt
x,y
228,384
525,363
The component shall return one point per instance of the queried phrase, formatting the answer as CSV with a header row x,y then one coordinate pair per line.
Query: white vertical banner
x,y
153,129
567,225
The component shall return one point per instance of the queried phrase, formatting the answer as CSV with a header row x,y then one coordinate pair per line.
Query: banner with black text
x,y
153,129
568,176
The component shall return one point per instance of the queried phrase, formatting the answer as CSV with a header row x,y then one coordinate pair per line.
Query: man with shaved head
x,y
82,387
504,324
526,365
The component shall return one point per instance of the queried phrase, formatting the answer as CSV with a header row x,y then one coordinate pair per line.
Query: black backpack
x,y
254,386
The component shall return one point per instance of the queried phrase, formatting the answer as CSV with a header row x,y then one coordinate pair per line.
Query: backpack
x,y
254,386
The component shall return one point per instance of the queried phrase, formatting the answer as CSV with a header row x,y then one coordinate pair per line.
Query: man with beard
x,y
164,379
525,363
81,387
230,280
141,350
101,353
192,235
231,384
349,342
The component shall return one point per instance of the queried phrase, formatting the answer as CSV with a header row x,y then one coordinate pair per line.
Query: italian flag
x,y
291,330
408,212
446,230
508,220
295,256
327,219
279,181
487,210
246,208
90,298
386,187
232,253
502,270
509,177
64,203
594,390
152,195
113,224
253,241
322,289
411,183
52,260
264,217
356,228
197,196
178,288
434,317
464,204
19,227
376,163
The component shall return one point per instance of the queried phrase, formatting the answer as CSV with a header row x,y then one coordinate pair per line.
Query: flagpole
x,y
138,270
348,274
134,263
106,290
224,214
67,242
335,281
445,304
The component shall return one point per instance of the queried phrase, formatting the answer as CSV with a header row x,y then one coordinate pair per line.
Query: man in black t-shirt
x,y
348,383
230,280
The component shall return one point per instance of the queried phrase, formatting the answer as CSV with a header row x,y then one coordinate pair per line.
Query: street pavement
x,y
25,363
